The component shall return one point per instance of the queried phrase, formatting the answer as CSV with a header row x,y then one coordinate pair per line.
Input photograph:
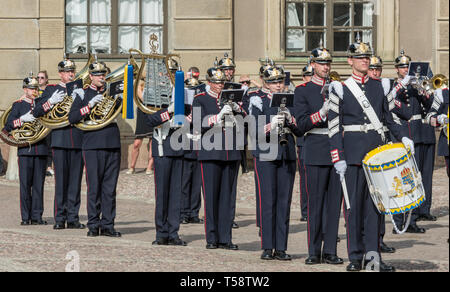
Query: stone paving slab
x,y
40,248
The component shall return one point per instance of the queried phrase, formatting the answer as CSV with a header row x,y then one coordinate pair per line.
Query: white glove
x,y
405,81
442,119
341,168
96,99
27,118
236,107
226,110
78,92
408,144
121,87
324,109
276,122
57,97
171,108
287,115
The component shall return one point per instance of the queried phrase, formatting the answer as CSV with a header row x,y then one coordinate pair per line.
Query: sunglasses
x,y
41,77
245,82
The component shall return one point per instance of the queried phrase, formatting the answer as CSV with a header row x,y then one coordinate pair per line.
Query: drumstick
x,y
344,189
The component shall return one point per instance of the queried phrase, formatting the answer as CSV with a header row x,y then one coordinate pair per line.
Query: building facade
x,y
36,33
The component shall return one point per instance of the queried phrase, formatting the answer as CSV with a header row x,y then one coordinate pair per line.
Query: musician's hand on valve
x,y
96,99
341,168
324,109
405,81
27,118
226,110
442,119
171,108
276,122
408,144
287,115
236,107
78,92
57,97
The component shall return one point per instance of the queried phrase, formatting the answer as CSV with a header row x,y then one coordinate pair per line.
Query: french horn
x,y
103,113
28,134
58,116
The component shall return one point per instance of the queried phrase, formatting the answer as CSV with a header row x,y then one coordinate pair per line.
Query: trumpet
x,y
282,131
427,86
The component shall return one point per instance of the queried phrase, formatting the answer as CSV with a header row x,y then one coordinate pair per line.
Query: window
x,y
111,27
336,23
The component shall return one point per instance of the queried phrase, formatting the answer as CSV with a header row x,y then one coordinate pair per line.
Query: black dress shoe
x,y
312,260
281,255
195,220
235,226
93,233
26,222
177,241
38,222
161,241
75,225
386,268
304,219
110,233
386,249
354,267
415,229
212,246
59,226
229,246
184,221
427,217
332,259
267,255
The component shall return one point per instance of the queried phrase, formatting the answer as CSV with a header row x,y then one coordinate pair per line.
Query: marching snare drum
x,y
394,180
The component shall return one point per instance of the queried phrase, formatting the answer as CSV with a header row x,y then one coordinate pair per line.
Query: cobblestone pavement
x,y
40,248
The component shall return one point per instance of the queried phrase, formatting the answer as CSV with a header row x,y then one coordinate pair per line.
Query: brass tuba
x,y
58,116
103,113
26,135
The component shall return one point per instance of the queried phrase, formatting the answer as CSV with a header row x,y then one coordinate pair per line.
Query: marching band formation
x,y
344,137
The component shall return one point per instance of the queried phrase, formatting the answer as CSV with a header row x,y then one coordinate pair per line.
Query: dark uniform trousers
x,y
324,195
191,188
323,190
68,165
168,172
363,215
218,180
302,181
102,173
276,181
32,177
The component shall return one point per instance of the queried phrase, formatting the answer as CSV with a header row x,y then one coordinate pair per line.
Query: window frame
x,y
115,30
329,26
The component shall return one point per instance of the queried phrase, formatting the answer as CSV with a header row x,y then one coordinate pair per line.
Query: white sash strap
x,y
366,106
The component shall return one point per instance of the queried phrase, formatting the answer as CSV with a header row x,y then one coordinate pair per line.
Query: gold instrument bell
x,y
29,133
104,113
58,116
